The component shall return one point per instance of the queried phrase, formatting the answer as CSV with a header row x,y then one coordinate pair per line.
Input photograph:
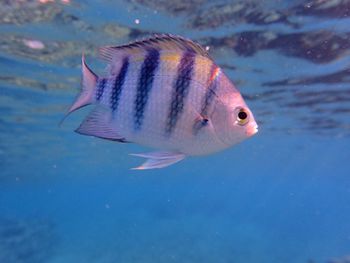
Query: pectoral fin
x,y
158,159
199,123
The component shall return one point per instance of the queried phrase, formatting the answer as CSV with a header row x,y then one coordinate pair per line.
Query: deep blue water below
x,y
283,196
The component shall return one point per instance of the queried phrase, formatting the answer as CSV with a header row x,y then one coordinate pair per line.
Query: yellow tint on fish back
x,y
171,57
202,69
169,62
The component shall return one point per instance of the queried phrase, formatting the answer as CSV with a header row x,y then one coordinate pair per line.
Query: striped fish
x,y
164,92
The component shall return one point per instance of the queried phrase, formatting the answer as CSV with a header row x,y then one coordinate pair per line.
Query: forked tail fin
x,y
88,84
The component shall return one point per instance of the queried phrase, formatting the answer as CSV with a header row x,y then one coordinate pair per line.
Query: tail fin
x,y
88,84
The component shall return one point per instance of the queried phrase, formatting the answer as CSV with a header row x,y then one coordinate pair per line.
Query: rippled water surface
x,y
281,196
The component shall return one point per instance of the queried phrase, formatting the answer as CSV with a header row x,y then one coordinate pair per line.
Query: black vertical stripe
x,y
209,95
144,85
180,90
207,100
118,84
100,88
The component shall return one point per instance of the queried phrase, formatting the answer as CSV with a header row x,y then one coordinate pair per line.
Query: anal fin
x,y
98,124
158,159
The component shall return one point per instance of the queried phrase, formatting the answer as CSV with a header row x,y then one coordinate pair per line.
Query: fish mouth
x,y
251,130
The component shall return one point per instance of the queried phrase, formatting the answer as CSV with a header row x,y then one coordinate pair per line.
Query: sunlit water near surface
x,y
281,196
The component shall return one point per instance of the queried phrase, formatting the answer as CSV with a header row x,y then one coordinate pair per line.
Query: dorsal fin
x,y
162,42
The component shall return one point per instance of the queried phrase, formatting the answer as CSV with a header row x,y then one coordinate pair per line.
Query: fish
x,y
164,92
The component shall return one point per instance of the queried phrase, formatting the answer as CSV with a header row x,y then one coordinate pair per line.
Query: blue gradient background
x,y
281,196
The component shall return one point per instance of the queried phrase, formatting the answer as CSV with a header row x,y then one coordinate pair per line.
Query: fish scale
x,y
180,90
144,86
100,88
118,84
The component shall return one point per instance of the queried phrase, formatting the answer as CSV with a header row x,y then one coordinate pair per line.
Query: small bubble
x,y
137,21
207,48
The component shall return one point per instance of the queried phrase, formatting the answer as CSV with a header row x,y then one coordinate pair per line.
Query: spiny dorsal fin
x,y
163,42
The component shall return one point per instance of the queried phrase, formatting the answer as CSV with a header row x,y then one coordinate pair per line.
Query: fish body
x,y
166,93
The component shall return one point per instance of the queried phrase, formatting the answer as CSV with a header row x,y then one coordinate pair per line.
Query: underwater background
x,y
282,196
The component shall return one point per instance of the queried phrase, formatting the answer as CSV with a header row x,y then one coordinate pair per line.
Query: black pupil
x,y
242,115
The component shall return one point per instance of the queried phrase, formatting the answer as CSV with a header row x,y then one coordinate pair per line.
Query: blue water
x,y
282,196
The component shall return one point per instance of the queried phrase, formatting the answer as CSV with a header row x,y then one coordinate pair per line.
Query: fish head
x,y
233,121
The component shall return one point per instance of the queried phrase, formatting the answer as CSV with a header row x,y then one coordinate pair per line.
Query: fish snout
x,y
252,129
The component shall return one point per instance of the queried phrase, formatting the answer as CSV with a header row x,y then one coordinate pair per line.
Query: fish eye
x,y
242,116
